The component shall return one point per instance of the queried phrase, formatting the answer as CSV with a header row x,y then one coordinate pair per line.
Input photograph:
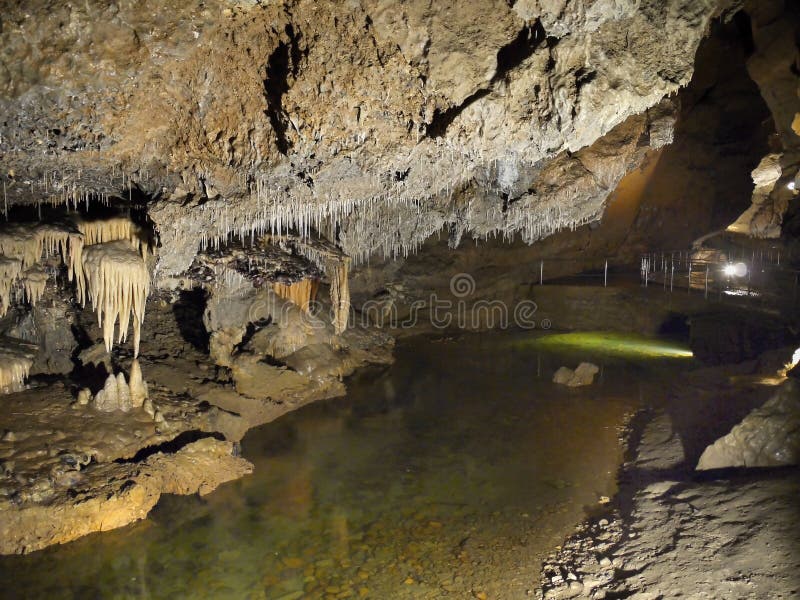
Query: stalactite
x,y
118,282
340,293
301,293
10,269
112,229
16,359
28,243
34,281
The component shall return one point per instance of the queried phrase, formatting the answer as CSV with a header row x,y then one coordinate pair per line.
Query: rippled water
x,y
449,475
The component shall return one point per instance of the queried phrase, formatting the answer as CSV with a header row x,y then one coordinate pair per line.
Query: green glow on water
x,y
623,345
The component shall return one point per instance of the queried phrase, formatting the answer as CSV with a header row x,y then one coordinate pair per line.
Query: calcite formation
x,y
118,394
16,358
118,282
374,125
301,293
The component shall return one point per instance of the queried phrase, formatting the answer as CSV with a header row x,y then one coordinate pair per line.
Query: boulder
x,y
768,437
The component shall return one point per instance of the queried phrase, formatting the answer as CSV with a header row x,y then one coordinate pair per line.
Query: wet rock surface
x,y
670,533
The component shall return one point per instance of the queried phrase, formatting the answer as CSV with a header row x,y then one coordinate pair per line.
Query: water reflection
x,y
448,475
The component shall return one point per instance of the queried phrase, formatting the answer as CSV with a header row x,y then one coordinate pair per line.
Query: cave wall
x,y
669,198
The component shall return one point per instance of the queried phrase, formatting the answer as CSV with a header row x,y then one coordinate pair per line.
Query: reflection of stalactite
x,y
340,292
302,293
118,282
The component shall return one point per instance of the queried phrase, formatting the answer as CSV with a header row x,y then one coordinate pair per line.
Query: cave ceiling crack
x,y
509,57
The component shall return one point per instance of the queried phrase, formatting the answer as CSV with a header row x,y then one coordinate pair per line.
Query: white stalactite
x,y
10,269
34,281
16,359
118,283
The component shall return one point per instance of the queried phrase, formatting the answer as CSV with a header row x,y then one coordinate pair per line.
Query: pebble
x,y
575,587
293,562
9,436
605,562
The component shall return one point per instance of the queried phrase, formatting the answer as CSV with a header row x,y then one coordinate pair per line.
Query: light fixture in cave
x,y
793,363
735,270
792,185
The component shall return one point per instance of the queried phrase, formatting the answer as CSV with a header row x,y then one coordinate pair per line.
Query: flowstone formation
x,y
336,120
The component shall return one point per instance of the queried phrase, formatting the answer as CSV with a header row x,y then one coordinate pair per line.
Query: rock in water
x,y
583,375
563,376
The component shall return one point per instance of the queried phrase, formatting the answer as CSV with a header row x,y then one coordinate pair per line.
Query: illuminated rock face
x,y
383,121
768,437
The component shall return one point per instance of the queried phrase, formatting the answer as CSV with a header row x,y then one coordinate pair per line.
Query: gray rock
x,y
769,436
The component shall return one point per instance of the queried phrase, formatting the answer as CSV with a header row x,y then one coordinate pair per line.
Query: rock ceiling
x,y
374,123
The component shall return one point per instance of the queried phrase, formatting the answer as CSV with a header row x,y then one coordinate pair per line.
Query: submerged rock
x,y
582,375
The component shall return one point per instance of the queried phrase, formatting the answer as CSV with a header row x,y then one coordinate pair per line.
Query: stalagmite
x,y
34,281
117,282
118,394
302,293
138,386
123,393
16,358
107,399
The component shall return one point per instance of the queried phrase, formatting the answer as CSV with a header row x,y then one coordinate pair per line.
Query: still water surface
x,y
448,475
